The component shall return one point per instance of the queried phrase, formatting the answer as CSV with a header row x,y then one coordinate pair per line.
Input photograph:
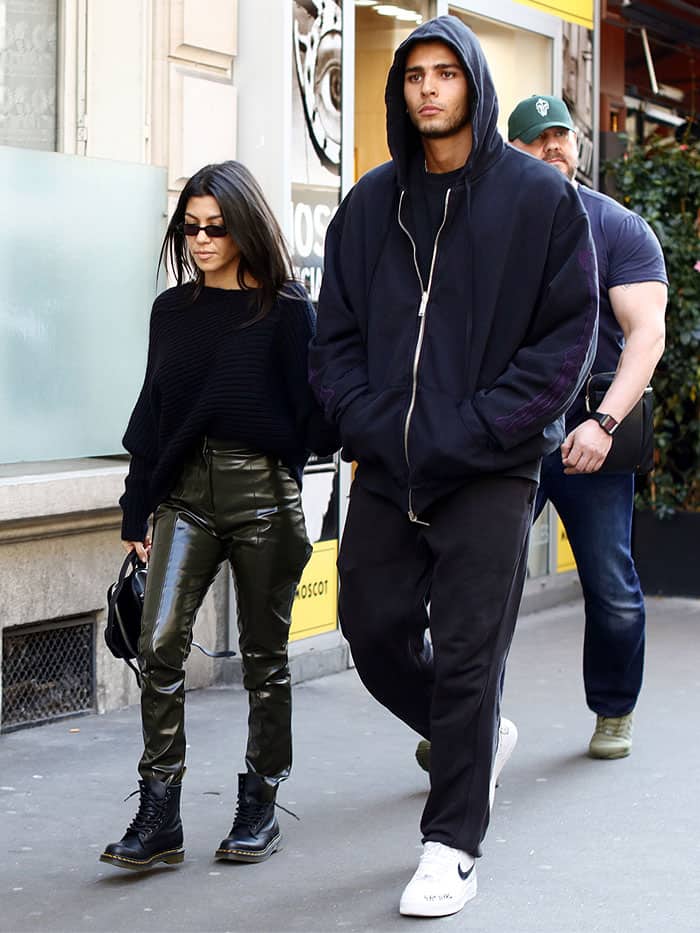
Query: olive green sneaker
x,y
423,754
612,737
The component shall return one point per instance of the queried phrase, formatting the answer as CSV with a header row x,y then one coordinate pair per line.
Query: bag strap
x,y
137,672
132,563
213,654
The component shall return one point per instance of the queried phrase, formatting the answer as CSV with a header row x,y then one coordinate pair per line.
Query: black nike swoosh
x,y
464,874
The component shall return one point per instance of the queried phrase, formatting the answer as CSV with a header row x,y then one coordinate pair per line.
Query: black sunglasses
x,y
211,230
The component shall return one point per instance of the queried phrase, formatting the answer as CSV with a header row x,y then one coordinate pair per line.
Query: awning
x,y
576,11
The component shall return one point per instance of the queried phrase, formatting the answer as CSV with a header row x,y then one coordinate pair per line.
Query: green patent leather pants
x,y
233,505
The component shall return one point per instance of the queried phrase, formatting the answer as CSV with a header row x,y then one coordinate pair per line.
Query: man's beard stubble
x,y
445,131
571,164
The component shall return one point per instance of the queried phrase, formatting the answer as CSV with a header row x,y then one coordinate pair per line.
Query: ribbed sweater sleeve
x,y
141,441
134,502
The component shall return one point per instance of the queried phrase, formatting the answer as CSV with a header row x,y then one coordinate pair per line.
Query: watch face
x,y
607,422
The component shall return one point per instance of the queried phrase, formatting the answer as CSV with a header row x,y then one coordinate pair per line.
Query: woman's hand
x,y
142,548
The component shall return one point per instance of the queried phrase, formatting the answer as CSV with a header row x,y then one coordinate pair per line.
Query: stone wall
x,y
60,550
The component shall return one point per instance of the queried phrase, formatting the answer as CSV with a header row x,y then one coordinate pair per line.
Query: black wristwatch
x,y
607,422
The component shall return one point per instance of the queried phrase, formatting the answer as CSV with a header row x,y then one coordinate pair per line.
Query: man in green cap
x,y
596,507
539,120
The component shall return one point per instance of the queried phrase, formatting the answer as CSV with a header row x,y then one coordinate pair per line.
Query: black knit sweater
x,y
208,375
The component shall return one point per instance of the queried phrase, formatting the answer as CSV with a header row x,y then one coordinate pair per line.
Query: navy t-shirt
x,y
627,251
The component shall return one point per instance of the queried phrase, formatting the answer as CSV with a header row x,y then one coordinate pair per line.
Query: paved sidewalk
x,y
575,846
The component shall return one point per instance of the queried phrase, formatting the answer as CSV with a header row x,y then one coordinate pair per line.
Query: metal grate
x,y
48,671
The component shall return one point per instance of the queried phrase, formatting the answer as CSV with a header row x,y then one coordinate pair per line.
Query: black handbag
x,y
124,611
632,448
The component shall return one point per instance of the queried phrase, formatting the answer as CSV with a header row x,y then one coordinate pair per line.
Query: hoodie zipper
x,y
425,297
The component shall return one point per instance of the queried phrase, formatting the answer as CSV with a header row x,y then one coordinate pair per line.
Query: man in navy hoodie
x,y
596,508
457,320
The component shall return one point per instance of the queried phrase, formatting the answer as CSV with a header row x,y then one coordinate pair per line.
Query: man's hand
x,y
585,448
142,548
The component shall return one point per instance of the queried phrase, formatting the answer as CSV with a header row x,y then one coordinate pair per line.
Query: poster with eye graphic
x,y
316,145
316,136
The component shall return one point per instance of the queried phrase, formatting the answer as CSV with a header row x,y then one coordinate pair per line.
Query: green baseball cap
x,y
535,114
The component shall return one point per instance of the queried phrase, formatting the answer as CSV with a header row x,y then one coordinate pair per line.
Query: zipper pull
x,y
423,304
411,514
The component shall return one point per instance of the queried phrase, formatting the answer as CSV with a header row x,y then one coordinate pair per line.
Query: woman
x,y
218,439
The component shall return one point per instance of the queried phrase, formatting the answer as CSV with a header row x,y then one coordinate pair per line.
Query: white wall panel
x,y
264,82
216,30
118,78
203,122
204,33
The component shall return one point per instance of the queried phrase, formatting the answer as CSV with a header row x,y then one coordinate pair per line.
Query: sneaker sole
x,y
609,756
246,855
170,857
422,909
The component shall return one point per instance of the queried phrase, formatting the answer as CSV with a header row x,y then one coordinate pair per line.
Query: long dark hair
x,y
249,221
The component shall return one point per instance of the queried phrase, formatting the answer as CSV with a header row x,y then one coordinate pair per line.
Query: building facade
x,y
106,108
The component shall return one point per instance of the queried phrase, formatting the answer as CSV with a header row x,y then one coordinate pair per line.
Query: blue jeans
x,y
596,510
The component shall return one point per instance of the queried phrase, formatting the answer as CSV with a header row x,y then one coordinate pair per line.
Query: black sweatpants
x,y
470,562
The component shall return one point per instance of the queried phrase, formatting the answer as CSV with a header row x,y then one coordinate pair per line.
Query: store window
x,y
28,73
316,133
520,61
379,29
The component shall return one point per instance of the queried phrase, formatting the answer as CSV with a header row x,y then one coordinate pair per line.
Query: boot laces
x,y
285,810
251,813
150,812
617,726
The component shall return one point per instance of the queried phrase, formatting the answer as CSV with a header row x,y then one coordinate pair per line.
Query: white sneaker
x,y
442,884
507,737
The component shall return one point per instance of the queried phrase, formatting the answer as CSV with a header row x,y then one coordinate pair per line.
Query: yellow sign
x,y
565,556
315,608
576,11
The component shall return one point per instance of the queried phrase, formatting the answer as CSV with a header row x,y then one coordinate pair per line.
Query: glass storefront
x,y
317,42
520,60
379,29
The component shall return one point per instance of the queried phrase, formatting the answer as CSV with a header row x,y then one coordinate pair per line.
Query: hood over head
x,y
403,138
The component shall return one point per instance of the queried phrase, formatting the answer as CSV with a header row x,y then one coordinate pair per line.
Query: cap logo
x,y
542,107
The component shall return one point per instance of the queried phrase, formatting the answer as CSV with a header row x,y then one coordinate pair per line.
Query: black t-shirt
x,y
427,192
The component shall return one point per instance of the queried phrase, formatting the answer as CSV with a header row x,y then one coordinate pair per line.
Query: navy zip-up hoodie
x,y
433,384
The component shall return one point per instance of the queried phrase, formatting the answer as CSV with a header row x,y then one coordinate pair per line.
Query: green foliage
x,y
661,181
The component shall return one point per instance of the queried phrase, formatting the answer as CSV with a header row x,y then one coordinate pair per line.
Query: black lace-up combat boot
x,y
155,834
255,833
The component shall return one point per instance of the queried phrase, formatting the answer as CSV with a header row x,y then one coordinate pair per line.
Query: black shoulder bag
x,y
124,611
632,448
